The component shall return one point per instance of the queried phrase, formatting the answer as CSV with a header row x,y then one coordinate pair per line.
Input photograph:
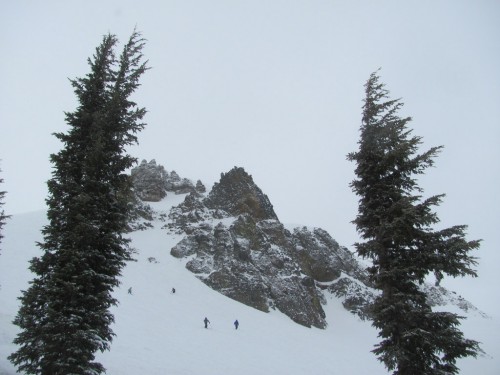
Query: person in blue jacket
x,y
236,324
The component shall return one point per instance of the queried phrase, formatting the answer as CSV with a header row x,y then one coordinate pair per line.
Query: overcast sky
x,y
275,87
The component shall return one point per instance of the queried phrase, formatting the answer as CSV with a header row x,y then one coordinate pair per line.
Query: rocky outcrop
x,y
356,296
251,262
233,241
237,194
152,182
237,246
178,185
149,181
321,257
439,296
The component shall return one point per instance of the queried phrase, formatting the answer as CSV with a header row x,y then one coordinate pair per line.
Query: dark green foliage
x,y
395,222
64,316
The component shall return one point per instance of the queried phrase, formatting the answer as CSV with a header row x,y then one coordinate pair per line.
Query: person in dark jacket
x,y
206,321
236,324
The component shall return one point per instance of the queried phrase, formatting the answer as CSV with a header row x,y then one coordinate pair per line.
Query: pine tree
x,y
396,224
64,316
3,217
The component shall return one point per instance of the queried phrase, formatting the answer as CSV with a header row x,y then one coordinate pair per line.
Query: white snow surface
x,y
159,333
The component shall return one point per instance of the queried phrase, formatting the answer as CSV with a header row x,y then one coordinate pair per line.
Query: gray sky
x,y
275,87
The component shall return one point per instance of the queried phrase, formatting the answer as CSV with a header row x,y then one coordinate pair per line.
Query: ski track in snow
x,y
159,333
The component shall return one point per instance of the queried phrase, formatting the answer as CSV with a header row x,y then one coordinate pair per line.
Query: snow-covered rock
x,y
233,241
237,245
236,193
152,182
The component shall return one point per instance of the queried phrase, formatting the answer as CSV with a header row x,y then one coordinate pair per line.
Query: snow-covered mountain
x,y
160,332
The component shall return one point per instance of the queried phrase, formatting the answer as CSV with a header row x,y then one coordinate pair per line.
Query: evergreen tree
x,y
64,316
3,217
396,224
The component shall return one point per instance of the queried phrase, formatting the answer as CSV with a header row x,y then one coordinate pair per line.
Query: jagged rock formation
x,y
149,181
239,247
439,296
234,242
152,182
250,261
237,194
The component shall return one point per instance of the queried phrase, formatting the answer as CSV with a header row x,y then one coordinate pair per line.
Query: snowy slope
x,y
162,333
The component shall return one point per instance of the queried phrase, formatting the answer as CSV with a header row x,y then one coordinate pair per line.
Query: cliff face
x,y
235,243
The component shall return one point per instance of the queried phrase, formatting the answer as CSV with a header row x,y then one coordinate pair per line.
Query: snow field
x,y
160,333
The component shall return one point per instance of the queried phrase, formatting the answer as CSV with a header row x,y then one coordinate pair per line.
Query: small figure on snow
x,y
173,290
130,290
206,321
236,324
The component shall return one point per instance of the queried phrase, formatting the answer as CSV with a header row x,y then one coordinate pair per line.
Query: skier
x,y
236,324
206,321
173,290
130,290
